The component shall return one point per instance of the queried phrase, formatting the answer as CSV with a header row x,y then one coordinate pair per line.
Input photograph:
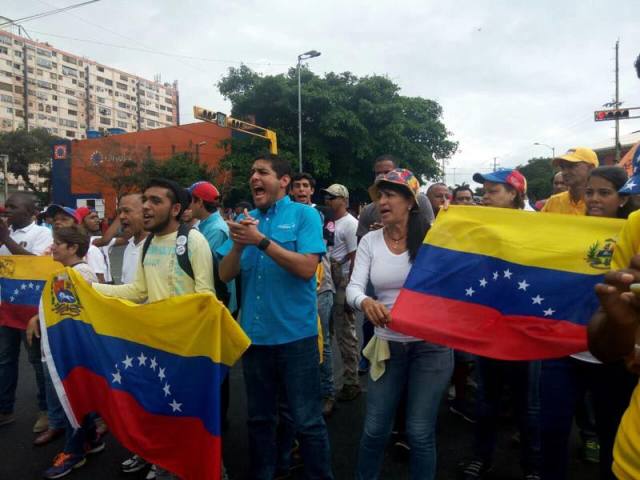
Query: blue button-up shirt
x,y
216,231
277,306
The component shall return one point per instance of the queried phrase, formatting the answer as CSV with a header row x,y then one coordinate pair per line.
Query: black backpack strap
x,y
182,249
145,246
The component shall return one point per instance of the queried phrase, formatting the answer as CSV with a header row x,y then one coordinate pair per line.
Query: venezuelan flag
x,y
506,284
22,278
152,371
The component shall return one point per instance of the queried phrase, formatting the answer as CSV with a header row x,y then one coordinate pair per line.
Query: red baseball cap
x,y
82,212
205,191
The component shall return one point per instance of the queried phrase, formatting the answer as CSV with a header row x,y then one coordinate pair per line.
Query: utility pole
x,y
617,102
495,163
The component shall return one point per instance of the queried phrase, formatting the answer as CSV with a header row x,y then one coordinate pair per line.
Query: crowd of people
x,y
282,246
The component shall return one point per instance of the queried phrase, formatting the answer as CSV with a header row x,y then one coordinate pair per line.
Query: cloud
x,y
507,73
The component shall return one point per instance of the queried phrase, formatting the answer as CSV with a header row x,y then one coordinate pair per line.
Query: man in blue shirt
x,y
276,249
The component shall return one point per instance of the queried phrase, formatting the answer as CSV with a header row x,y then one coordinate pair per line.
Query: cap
x,y
579,154
632,186
82,212
397,176
337,190
205,191
55,208
508,176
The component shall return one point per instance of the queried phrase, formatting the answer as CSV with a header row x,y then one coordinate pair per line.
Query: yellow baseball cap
x,y
578,154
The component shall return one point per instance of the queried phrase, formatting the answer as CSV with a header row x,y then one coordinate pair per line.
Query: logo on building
x,y
96,157
60,152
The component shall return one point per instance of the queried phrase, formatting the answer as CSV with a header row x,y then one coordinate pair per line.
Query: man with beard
x,y
21,237
163,203
276,249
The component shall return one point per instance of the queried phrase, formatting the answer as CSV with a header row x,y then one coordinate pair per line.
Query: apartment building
x,y
75,97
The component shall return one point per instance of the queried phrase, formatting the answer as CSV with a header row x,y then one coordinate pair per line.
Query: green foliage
x,y
539,173
347,122
181,168
27,148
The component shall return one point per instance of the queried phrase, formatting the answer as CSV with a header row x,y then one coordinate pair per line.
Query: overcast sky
x,y
507,73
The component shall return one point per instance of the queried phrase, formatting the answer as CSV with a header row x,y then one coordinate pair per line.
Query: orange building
x,y
83,170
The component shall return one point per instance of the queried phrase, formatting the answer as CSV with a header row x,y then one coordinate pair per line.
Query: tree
x,y
28,148
347,122
539,174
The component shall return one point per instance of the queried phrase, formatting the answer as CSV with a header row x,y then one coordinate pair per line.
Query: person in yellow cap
x,y
575,166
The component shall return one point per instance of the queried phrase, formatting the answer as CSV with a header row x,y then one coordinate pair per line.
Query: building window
x,y
72,112
121,86
122,124
100,69
43,62
7,87
105,121
108,82
72,72
71,133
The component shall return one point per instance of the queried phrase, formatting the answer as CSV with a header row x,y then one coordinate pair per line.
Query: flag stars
x,y
496,275
127,362
469,292
523,285
117,378
161,374
38,286
16,291
537,300
23,286
548,312
507,274
31,285
142,360
12,298
167,389
153,364
175,406
483,282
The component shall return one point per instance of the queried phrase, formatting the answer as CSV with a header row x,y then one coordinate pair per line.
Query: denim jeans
x,y
10,339
77,440
524,380
325,304
563,384
55,412
291,369
425,370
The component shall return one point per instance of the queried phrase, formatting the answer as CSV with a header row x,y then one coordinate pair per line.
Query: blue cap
x,y
632,186
508,176
55,208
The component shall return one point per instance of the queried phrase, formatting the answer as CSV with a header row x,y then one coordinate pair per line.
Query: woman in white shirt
x,y
384,258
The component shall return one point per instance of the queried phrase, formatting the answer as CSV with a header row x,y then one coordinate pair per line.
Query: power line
x,y
158,52
47,13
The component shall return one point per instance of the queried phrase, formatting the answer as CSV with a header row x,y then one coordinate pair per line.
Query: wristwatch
x,y
264,244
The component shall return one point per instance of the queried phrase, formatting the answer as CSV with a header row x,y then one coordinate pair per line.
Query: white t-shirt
x,y
33,238
130,260
387,273
96,261
345,241
106,254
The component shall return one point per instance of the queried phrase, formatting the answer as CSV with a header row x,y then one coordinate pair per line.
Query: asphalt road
x,y
19,459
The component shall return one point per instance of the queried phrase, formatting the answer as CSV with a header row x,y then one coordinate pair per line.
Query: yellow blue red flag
x,y
505,283
22,278
152,371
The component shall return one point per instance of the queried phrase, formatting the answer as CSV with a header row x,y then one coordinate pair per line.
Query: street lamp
x,y
302,56
553,149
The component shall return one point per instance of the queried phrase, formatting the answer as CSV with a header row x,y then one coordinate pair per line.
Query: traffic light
x,y
233,123
210,116
603,115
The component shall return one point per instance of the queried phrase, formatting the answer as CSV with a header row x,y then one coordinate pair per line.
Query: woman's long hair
x,y
617,177
417,225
